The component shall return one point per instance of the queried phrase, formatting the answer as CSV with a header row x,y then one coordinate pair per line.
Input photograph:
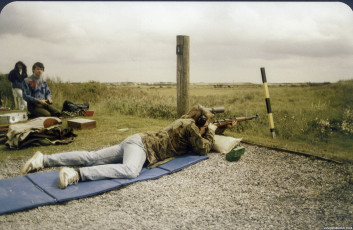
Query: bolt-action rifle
x,y
231,122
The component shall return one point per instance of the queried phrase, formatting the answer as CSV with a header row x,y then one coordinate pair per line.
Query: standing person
x,y
37,94
16,76
125,160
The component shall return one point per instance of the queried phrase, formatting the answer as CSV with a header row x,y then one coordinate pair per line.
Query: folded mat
x,y
38,189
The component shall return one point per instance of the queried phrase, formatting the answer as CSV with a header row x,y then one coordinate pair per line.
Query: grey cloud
x,y
311,49
138,39
29,23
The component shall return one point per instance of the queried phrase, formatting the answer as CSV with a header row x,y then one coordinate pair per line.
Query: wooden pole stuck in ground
x,y
183,72
268,104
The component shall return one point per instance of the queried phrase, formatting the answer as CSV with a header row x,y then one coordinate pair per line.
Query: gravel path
x,y
266,189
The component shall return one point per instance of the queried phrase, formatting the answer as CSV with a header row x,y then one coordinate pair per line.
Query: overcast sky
x,y
136,41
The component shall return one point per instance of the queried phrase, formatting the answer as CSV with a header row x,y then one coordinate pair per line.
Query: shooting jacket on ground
x,y
178,138
39,131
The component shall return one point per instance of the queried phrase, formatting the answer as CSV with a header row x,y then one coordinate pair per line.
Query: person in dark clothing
x,y
16,76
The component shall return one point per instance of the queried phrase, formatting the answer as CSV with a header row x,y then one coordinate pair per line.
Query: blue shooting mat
x,y
37,189
19,193
146,174
49,182
181,162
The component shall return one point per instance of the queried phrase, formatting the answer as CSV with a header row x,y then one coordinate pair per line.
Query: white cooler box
x,y
11,118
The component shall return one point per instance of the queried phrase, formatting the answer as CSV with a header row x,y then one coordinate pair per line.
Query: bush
x,y
6,91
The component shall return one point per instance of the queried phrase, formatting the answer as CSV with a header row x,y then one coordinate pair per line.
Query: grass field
x,y
310,118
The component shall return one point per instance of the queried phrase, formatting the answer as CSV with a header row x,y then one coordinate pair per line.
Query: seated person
x,y
37,94
191,132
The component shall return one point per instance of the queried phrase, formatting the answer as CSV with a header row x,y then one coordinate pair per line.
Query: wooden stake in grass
x,y
182,51
268,104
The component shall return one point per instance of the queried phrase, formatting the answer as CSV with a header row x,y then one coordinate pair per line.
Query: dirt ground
x,y
265,189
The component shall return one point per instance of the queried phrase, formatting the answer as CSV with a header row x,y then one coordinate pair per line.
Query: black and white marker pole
x,y
268,104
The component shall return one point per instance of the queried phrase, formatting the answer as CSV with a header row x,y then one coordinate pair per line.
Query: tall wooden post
x,y
183,72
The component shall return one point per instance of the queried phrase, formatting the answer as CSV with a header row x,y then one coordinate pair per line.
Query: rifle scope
x,y
216,110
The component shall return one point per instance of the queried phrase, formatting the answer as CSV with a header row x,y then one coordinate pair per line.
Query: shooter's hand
x,y
212,127
43,102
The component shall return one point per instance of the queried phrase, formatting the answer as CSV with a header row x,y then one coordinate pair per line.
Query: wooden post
x,y
183,72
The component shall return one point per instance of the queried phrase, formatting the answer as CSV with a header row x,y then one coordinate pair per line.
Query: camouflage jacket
x,y
178,138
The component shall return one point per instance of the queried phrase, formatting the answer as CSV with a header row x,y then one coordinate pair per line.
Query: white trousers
x,y
20,103
124,160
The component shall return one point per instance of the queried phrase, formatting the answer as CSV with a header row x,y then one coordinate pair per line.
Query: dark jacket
x,y
16,78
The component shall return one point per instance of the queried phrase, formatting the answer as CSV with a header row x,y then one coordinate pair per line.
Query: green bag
x,y
235,154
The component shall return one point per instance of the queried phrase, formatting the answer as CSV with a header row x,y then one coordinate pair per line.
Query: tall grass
x,y
6,91
312,118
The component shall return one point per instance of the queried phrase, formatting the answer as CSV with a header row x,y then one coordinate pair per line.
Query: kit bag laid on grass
x,y
71,109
